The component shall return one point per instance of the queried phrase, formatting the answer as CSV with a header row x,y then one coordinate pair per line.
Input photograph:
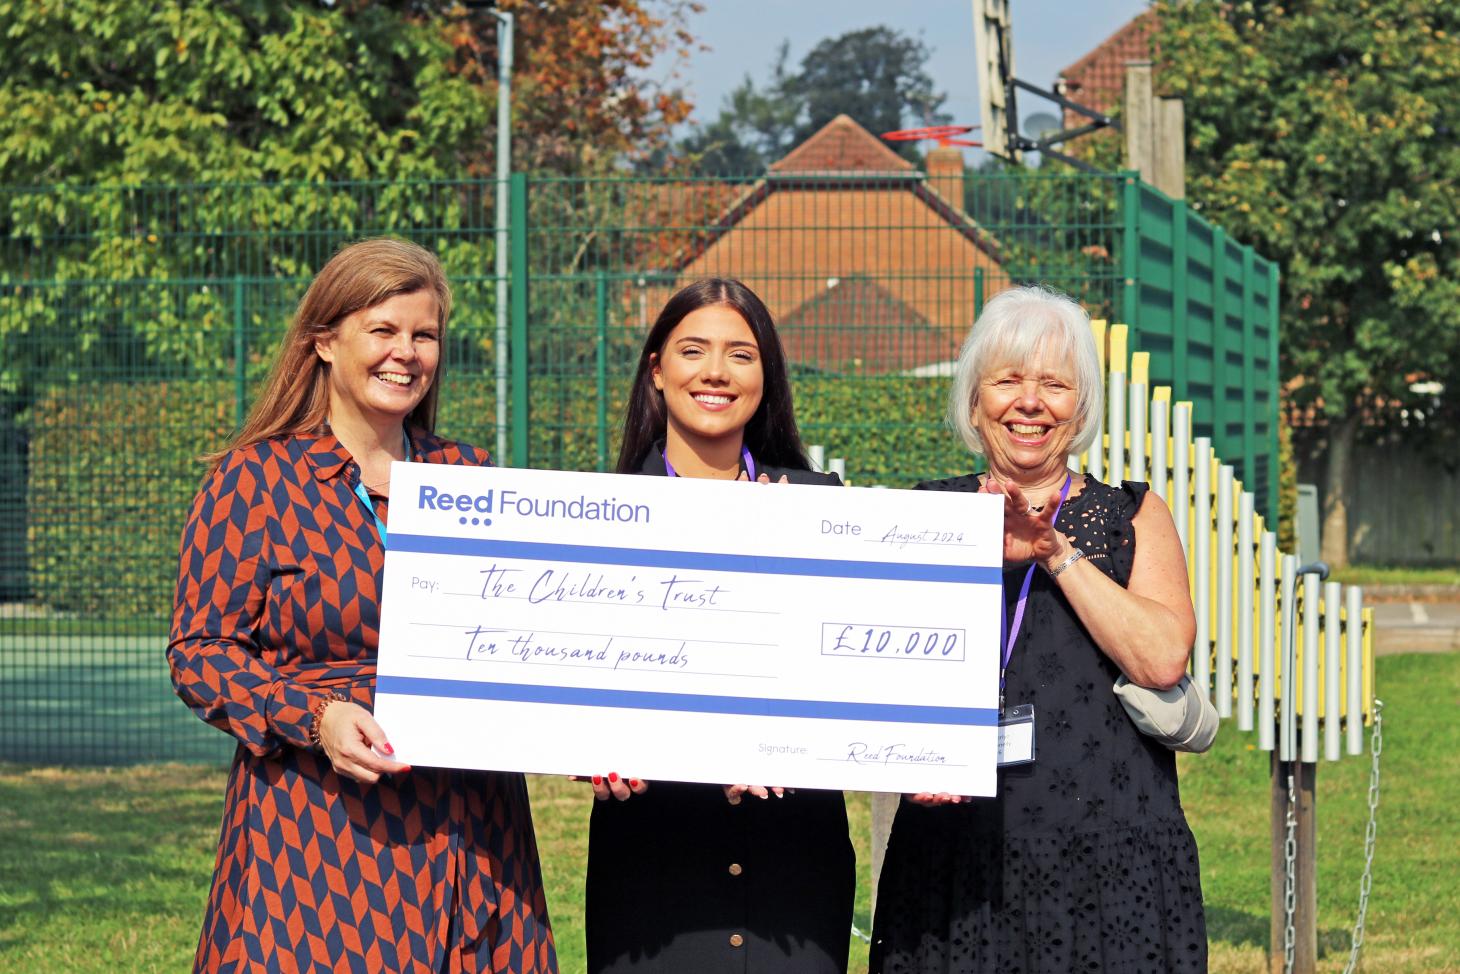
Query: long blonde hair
x,y
362,275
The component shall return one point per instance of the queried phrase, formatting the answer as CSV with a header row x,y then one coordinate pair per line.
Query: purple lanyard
x,y
1023,601
744,456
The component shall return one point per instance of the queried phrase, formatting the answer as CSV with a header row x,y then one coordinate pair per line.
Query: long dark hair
x,y
771,433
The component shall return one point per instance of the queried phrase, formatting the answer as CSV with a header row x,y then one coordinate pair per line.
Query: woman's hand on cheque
x,y
612,785
1029,532
355,744
734,793
934,799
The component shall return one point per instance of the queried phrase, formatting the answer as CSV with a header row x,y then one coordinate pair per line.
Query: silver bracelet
x,y
1075,556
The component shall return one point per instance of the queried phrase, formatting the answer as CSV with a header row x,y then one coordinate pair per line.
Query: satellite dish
x,y
1040,124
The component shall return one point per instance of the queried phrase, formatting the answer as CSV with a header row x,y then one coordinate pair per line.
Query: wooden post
x,y
1305,911
1170,151
1140,121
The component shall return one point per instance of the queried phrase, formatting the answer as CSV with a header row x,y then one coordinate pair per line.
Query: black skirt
x,y
680,880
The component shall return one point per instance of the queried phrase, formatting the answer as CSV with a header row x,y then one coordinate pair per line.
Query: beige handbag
x,y
1182,717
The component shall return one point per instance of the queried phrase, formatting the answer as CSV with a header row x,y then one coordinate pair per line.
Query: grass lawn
x,y
1390,575
107,869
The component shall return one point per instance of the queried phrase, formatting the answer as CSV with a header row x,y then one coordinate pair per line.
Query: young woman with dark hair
x,y
709,878
769,434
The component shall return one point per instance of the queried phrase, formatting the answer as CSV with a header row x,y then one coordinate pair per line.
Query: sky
x,y
742,37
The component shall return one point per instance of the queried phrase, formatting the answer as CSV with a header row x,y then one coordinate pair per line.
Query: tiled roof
x,y
852,301
865,266
856,325
842,145
1097,80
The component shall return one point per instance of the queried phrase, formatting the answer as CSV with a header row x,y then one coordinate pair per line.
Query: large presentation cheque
x,y
691,630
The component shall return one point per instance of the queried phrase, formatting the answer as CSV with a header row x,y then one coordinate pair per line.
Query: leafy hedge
x,y
111,471
889,429
113,466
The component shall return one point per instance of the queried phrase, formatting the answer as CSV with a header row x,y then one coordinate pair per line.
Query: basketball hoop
x,y
944,134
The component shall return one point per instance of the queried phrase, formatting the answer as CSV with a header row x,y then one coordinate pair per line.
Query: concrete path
x,y
1416,627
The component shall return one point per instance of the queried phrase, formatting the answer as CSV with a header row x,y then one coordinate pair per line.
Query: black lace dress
x,y
1084,861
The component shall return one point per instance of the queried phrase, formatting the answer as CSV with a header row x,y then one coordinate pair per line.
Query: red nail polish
x,y
633,782
598,779
387,748
613,777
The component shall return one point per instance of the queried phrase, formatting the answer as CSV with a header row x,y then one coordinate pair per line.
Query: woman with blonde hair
x,y
1083,861
334,856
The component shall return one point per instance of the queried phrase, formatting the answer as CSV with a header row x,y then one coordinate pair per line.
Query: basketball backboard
x,y
994,52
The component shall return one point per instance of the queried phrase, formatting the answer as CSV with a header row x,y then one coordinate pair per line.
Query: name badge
x,y
1016,735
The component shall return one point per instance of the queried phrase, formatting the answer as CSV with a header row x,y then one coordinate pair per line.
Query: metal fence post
x,y
1274,472
520,280
1249,373
1131,251
240,355
1180,269
1218,417
600,362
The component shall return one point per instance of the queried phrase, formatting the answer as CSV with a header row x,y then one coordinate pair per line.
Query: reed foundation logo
x,y
479,509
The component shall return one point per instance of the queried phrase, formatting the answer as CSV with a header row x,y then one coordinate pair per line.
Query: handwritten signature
x,y
860,752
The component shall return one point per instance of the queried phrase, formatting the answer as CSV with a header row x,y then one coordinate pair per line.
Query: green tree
x,y
103,91
1324,133
101,94
583,102
101,98
876,75
244,90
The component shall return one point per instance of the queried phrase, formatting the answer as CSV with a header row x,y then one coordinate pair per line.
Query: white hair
x,y
1019,326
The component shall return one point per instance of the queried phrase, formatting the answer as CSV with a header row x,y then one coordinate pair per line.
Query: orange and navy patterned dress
x,y
278,605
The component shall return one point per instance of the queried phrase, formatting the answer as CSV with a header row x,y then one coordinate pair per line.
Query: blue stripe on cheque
x,y
687,702
702,560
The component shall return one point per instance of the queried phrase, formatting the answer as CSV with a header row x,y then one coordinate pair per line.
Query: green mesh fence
x,y
137,322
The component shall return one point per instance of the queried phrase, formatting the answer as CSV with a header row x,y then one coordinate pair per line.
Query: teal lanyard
x,y
364,494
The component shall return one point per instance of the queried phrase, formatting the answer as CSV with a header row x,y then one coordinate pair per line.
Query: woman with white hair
x,y
1083,861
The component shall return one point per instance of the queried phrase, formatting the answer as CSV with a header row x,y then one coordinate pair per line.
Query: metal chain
x,y
1290,882
1366,881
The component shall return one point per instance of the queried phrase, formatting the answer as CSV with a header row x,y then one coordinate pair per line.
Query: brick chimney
x,y
945,174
